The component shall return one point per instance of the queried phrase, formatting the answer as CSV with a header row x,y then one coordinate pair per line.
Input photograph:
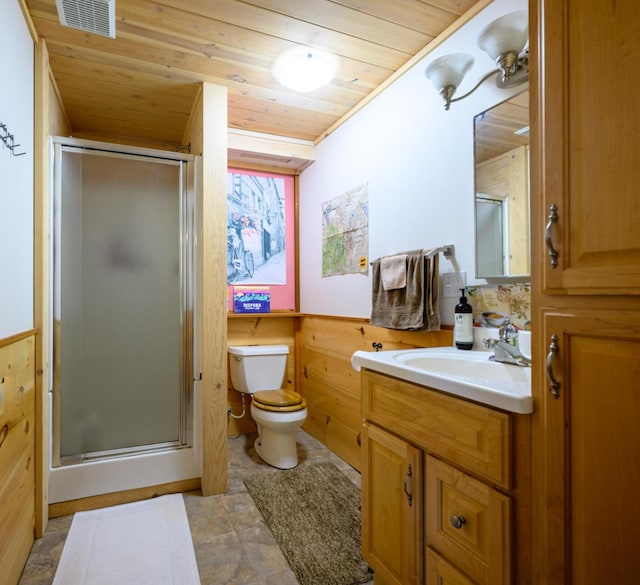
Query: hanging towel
x,y
393,271
413,307
432,274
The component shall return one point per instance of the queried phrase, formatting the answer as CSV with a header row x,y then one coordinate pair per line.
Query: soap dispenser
x,y
463,324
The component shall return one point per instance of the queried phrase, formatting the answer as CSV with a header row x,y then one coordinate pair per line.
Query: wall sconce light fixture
x,y
305,69
503,40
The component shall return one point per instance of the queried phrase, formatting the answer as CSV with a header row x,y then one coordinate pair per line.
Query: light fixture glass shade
x,y
305,69
509,33
449,71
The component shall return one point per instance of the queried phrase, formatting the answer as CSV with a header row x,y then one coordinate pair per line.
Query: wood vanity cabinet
x,y
440,487
585,207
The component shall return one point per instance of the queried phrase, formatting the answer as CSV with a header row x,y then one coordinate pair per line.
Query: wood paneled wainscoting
x,y
319,368
329,383
17,452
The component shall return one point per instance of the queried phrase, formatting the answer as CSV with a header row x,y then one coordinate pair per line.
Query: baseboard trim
x,y
123,497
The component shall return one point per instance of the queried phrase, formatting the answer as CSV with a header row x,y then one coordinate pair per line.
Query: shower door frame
x,y
135,467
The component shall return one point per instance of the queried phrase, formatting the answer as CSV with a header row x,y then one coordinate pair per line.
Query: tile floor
x,y
232,543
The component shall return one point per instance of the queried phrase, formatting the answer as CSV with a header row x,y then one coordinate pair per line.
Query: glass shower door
x,y
490,241
121,294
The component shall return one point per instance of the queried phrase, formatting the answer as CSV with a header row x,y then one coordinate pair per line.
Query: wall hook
x,y
8,140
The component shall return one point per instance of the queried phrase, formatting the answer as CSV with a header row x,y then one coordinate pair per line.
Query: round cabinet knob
x,y
457,521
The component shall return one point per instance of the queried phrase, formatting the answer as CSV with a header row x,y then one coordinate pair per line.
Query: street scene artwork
x,y
256,229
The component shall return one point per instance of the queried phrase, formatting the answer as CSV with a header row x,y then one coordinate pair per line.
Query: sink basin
x,y
468,374
473,367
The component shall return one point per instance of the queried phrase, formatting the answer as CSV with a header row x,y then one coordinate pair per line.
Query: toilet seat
x,y
279,400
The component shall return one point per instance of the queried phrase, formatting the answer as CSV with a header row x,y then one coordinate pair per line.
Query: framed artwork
x,y
260,235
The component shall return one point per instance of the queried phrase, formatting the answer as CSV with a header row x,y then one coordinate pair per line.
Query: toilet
x,y
278,413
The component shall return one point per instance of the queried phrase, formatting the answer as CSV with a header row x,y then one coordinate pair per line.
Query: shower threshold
x,y
122,452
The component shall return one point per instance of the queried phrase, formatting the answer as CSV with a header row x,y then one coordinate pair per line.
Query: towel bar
x,y
448,251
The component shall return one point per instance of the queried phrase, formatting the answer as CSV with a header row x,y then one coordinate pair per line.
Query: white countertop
x,y
467,374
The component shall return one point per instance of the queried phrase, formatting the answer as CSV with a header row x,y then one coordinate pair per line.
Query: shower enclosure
x,y
123,398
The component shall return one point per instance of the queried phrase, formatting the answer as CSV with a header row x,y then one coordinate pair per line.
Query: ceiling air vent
x,y
94,16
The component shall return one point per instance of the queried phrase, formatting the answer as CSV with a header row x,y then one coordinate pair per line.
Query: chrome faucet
x,y
506,349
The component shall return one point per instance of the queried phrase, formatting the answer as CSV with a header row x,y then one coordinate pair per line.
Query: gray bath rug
x,y
313,512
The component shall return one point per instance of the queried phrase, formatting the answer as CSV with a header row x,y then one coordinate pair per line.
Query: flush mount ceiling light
x,y
503,40
305,69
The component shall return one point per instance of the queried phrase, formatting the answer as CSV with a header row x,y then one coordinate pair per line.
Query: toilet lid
x,y
279,400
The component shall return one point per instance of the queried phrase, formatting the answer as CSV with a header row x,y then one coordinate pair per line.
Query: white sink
x,y
469,374
476,366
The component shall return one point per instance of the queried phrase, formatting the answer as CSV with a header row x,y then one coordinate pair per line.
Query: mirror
x,y
501,151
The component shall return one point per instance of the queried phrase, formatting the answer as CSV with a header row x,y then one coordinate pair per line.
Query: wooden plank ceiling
x,y
140,87
502,128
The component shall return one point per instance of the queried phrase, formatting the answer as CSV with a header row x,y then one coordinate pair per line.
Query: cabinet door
x,y
587,121
391,507
586,449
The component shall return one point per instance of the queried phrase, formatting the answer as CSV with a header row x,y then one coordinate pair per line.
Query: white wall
x,y
418,162
16,173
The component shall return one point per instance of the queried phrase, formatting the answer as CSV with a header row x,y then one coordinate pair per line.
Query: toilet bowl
x,y
259,370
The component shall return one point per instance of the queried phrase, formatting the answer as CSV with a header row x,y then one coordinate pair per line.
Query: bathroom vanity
x,y
445,481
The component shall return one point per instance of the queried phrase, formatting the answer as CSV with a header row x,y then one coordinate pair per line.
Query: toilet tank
x,y
257,367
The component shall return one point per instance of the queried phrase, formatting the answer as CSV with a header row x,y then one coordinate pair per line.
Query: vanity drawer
x,y
468,523
477,438
440,571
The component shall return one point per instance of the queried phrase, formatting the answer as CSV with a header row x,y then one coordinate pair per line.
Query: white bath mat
x,y
143,543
